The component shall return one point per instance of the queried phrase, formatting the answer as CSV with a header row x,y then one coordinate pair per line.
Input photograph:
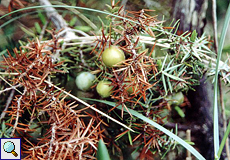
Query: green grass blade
x,y
172,68
102,152
172,76
42,17
224,140
80,15
15,18
170,134
215,114
130,138
164,84
61,6
163,64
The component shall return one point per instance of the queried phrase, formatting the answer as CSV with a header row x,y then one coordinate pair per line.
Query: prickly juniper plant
x,y
150,71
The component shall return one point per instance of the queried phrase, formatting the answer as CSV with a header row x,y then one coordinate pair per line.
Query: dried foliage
x,y
68,136
16,4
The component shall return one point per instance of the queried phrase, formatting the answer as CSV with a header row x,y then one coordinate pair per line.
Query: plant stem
x,y
224,139
224,119
188,137
7,104
215,119
214,19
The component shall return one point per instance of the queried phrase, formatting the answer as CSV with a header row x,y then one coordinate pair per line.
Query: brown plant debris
x,y
73,133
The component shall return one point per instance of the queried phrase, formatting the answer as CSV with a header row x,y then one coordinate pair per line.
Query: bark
x,y
201,114
57,19
191,13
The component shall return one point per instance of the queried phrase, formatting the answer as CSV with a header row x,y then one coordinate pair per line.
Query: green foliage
x,y
102,152
150,121
5,130
193,36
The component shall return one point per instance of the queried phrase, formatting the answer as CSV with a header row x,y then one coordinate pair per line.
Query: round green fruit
x,y
84,80
130,88
104,89
176,99
112,56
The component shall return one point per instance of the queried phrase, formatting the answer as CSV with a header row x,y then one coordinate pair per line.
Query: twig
x,y
18,110
43,30
82,58
57,19
52,139
10,88
10,84
38,147
7,104
188,137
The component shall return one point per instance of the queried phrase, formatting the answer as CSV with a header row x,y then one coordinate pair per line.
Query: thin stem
x,y
188,137
18,113
43,30
216,121
52,140
224,118
7,104
214,18
224,139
